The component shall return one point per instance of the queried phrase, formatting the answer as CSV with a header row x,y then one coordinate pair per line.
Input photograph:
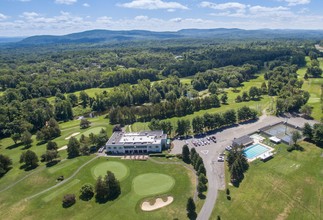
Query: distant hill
x,y
10,39
107,36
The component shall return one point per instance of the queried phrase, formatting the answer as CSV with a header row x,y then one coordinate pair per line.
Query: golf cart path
x,y
64,181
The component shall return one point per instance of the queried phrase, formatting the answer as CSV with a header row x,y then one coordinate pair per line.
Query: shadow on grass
x,y
52,163
14,146
28,168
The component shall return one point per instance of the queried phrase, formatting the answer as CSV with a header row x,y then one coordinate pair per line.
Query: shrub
x,y
69,200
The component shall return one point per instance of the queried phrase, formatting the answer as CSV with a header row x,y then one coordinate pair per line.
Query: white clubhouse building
x,y
136,142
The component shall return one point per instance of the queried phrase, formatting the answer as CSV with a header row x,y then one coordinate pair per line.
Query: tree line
x,y
204,123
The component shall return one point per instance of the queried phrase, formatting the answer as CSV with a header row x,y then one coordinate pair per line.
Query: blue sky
x,y
57,17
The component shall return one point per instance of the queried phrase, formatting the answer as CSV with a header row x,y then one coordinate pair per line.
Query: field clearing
x,y
313,86
289,186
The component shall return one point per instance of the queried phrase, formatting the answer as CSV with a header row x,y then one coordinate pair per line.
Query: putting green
x,y
152,184
95,130
120,170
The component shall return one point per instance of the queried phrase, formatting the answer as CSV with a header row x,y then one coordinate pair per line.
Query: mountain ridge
x,y
107,36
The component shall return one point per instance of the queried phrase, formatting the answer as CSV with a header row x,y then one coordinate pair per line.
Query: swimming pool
x,y
255,150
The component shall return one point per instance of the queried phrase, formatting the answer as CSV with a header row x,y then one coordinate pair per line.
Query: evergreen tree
x,y
201,169
186,154
202,178
51,145
190,208
113,185
101,190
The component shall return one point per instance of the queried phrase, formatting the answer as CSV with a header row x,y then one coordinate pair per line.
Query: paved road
x,y
209,154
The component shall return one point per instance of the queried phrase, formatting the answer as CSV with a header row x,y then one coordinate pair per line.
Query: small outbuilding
x,y
275,139
242,141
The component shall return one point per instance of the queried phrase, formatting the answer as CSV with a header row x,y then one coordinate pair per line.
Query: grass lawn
x,y
289,186
145,180
313,86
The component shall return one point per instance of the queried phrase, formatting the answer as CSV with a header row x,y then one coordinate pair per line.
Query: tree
x,y
186,154
306,110
51,145
183,126
253,92
190,208
102,138
238,99
72,98
318,134
193,155
201,187
84,97
245,96
201,169
237,164
73,148
84,123
202,178
68,200
234,83
26,139
15,137
49,156
29,158
101,190
213,88
295,137
198,124
5,164
114,189
224,98
308,131
86,192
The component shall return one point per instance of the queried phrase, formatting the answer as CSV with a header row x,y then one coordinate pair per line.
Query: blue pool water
x,y
255,150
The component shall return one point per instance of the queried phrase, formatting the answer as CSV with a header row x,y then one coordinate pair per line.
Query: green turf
x,y
120,170
289,186
95,130
152,184
60,191
313,86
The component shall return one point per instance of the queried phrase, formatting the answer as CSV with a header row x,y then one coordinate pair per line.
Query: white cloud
x,y
86,5
29,15
104,20
230,8
3,17
65,2
224,6
152,4
297,2
141,18
25,0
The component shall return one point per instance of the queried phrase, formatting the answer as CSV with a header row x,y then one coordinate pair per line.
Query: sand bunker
x,y
63,148
72,135
159,203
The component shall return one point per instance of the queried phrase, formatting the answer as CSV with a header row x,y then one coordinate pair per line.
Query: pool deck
x,y
264,155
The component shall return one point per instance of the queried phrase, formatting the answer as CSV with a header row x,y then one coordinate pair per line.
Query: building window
x,y
114,148
156,147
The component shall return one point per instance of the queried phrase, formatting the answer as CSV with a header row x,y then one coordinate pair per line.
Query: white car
x,y
228,148
220,159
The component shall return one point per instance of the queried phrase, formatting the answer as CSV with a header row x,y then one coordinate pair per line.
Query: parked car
x,y
228,148
220,159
